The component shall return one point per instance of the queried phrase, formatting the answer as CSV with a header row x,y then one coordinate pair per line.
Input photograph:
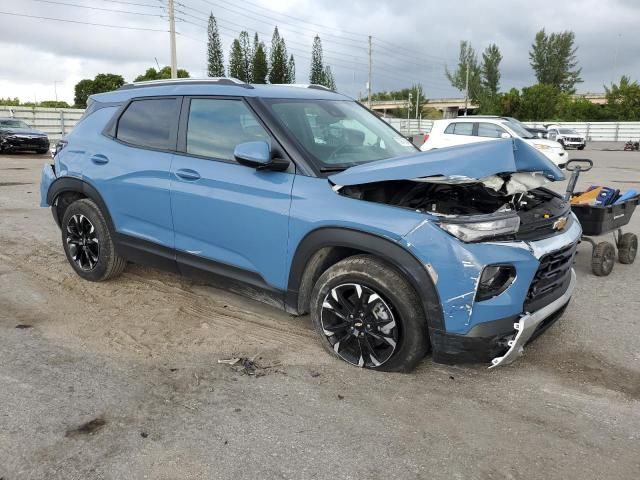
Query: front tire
x,y
369,315
88,244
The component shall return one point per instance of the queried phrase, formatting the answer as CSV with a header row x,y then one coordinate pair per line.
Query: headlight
x,y
474,230
541,146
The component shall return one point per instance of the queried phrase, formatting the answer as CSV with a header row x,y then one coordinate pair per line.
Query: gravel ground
x,y
122,380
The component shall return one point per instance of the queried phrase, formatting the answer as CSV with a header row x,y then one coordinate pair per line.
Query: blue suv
x,y
308,200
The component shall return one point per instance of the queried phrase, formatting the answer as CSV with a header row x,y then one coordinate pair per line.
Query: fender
x,y
71,184
376,245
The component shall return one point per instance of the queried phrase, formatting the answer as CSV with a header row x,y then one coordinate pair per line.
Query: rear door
x,y
228,218
458,133
131,170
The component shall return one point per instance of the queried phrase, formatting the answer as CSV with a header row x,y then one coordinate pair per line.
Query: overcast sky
x,y
412,40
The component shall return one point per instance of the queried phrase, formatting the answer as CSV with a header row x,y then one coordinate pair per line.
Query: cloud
x,y
412,41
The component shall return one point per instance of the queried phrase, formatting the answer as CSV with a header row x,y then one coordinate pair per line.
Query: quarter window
x,y
215,127
149,123
490,130
460,128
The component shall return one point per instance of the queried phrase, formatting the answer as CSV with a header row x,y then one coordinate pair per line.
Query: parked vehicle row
x,y
466,130
305,196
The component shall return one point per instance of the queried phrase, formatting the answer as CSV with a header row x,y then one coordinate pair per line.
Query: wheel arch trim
x,y
384,248
70,184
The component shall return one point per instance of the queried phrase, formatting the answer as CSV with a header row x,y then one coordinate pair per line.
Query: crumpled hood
x,y
461,163
23,131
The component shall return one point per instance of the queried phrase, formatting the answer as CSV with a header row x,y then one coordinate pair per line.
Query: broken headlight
x,y
475,229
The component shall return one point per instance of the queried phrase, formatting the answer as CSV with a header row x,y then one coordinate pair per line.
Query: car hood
x,y
463,163
23,131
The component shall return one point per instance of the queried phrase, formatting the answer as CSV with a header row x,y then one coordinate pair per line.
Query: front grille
x,y
574,139
552,278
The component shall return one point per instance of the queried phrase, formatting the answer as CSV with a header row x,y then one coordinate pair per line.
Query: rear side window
x,y
490,130
216,126
149,123
460,128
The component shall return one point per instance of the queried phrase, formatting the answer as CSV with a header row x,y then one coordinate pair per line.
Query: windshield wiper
x,y
332,169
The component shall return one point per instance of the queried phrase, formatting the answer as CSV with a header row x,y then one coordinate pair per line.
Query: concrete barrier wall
x,y
57,122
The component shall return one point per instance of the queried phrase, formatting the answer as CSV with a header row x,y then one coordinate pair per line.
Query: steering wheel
x,y
340,149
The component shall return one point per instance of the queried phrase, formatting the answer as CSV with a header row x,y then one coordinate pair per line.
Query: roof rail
x,y
188,81
315,86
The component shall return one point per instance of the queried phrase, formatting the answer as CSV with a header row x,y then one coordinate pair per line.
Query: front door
x,y
228,218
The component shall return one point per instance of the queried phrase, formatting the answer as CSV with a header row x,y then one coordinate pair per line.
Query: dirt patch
x,y
13,184
87,428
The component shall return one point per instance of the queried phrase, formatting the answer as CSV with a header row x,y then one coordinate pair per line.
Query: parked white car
x,y
567,137
463,130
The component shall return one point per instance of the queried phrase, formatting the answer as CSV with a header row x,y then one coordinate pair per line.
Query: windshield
x,y
568,131
13,124
519,128
338,134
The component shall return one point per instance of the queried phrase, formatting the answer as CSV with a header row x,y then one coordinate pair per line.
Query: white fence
x,y
593,131
56,122
59,121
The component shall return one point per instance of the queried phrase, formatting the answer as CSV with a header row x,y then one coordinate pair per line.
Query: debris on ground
x,y
248,366
23,326
144,434
87,428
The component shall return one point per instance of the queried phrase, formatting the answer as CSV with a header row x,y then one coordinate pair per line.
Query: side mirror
x,y
505,135
258,155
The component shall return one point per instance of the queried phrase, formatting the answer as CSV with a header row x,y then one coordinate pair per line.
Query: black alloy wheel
x,y
359,325
83,243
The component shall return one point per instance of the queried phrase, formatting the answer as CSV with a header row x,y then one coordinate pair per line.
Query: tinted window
x,y
460,128
490,130
149,123
216,126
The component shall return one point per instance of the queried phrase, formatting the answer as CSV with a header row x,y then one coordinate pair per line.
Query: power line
x,y
149,5
82,23
97,8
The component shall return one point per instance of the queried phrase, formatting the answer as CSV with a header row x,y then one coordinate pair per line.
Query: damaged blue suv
x,y
301,197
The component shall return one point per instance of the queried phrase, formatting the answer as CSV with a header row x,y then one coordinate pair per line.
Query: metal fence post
x,y
617,129
62,130
587,134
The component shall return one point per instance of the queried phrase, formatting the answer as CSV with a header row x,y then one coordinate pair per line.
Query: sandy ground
x,y
121,379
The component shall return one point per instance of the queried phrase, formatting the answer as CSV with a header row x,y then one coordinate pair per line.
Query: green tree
x,y
417,97
259,66
327,78
237,67
509,103
215,57
247,55
291,70
278,59
554,62
10,102
538,102
103,82
623,99
467,59
490,80
316,72
163,74
53,104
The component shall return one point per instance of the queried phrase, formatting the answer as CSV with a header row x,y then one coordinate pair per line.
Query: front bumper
x,y
530,323
25,143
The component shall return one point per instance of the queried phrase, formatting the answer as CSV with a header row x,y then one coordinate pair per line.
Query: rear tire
x,y
88,244
581,147
42,151
369,315
603,259
628,248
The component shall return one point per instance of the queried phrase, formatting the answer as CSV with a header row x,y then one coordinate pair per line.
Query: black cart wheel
x,y
603,259
628,248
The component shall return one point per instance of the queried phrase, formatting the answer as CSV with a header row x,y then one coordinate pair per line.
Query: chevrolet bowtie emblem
x,y
560,223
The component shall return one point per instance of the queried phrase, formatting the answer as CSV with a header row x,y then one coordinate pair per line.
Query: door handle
x,y
188,174
99,159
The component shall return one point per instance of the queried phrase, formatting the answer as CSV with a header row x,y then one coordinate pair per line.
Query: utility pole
x,y
417,101
409,107
172,36
466,91
369,82
55,90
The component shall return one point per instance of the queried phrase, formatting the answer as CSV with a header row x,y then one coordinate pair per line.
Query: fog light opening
x,y
495,279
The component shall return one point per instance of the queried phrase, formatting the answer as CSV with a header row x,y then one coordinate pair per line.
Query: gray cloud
x,y
412,40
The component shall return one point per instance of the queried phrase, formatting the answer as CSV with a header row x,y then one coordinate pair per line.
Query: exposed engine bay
x,y
519,193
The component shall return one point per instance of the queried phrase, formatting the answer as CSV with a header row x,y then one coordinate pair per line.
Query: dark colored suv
x,y
309,201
